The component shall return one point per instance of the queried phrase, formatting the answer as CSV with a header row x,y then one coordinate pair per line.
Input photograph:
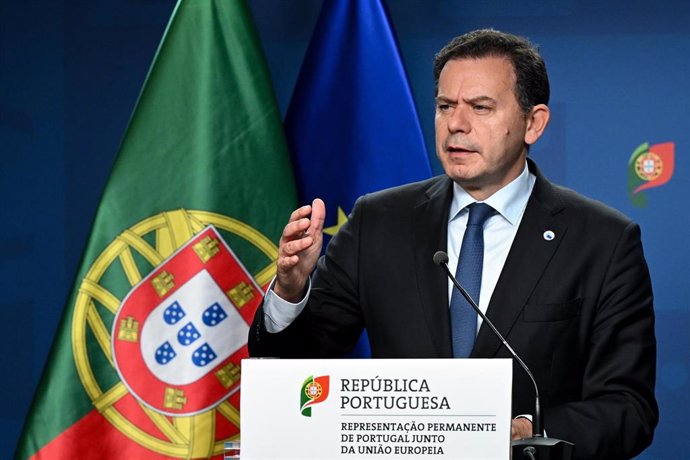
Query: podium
x,y
376,409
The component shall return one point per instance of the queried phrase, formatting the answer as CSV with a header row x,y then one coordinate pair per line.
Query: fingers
x,y
300,213
285,263
521,428
305,222
295,229
291,247
318,216
304,228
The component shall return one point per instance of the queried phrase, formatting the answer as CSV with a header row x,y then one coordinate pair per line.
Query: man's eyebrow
x,y
480,99
472,100
443,99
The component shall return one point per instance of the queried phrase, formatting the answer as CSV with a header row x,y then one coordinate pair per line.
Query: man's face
x,y
481,132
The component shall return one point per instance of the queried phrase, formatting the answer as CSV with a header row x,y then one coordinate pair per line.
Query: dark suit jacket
x,y
577,309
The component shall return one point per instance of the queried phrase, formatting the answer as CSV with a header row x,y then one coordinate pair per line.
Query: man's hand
x,y
298,250
521,427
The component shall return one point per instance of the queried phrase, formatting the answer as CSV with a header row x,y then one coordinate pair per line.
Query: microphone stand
x,y
538,446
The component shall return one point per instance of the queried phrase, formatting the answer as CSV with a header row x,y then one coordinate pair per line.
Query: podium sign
x,y
376,409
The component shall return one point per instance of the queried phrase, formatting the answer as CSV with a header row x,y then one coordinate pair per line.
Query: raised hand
x,y
299,249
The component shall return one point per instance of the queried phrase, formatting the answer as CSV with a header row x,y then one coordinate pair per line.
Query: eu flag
x,y
352,126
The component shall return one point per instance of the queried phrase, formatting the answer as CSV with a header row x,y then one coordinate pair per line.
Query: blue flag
x,y
352,126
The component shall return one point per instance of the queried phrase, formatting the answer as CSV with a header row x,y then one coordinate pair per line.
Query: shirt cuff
x,y
279,313
529,417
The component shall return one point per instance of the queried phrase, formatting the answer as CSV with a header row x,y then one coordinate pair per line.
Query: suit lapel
x,y
430,228
529,256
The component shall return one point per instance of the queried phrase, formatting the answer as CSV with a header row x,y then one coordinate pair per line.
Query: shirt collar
x,y
509,202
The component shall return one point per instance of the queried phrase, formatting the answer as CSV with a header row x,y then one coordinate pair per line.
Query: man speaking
x,y
562,277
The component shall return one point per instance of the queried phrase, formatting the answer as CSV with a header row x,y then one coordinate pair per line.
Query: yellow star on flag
x,y
342,218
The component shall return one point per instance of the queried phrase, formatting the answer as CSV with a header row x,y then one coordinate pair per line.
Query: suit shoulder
x,y
409,193
589,209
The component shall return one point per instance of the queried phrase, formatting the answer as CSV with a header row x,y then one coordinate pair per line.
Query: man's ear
x,y
537,120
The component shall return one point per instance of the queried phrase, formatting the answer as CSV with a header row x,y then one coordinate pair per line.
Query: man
x,y
563,277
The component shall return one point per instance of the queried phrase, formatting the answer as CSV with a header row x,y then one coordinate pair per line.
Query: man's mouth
x,y
458,149
453,149
462,147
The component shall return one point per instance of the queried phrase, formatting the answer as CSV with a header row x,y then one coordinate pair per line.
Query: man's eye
x,y
481,108
443,107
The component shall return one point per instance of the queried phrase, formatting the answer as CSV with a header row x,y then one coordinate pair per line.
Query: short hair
x,y
532,81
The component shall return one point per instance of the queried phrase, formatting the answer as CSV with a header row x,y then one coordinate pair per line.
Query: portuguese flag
x,y
146,362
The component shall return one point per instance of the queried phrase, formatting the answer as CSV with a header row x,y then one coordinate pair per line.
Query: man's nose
x,y
459,121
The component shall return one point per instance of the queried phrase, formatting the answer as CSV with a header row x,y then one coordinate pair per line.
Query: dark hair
x,y
532,82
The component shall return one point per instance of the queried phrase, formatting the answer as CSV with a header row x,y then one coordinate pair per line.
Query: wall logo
x,y
649,166
314,391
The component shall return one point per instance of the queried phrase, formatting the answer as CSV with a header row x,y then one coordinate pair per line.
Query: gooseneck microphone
x,y
554,448
441,259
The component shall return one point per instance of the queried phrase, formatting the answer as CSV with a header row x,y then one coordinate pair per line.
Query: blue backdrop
x,y
70,73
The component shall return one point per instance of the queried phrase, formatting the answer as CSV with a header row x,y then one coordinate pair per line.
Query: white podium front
x,y
376,409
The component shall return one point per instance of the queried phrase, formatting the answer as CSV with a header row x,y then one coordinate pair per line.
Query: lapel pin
x,y
549,235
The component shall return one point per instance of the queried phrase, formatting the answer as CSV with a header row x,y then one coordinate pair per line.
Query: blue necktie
x,y
463,318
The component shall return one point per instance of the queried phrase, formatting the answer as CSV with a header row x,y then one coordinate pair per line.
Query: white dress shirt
x,y
499,231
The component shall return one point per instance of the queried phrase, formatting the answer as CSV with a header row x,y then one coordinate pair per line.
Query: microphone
x,y
553,448
441,259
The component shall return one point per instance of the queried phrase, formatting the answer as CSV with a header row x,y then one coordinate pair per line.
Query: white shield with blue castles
x,y
180,334
185,336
